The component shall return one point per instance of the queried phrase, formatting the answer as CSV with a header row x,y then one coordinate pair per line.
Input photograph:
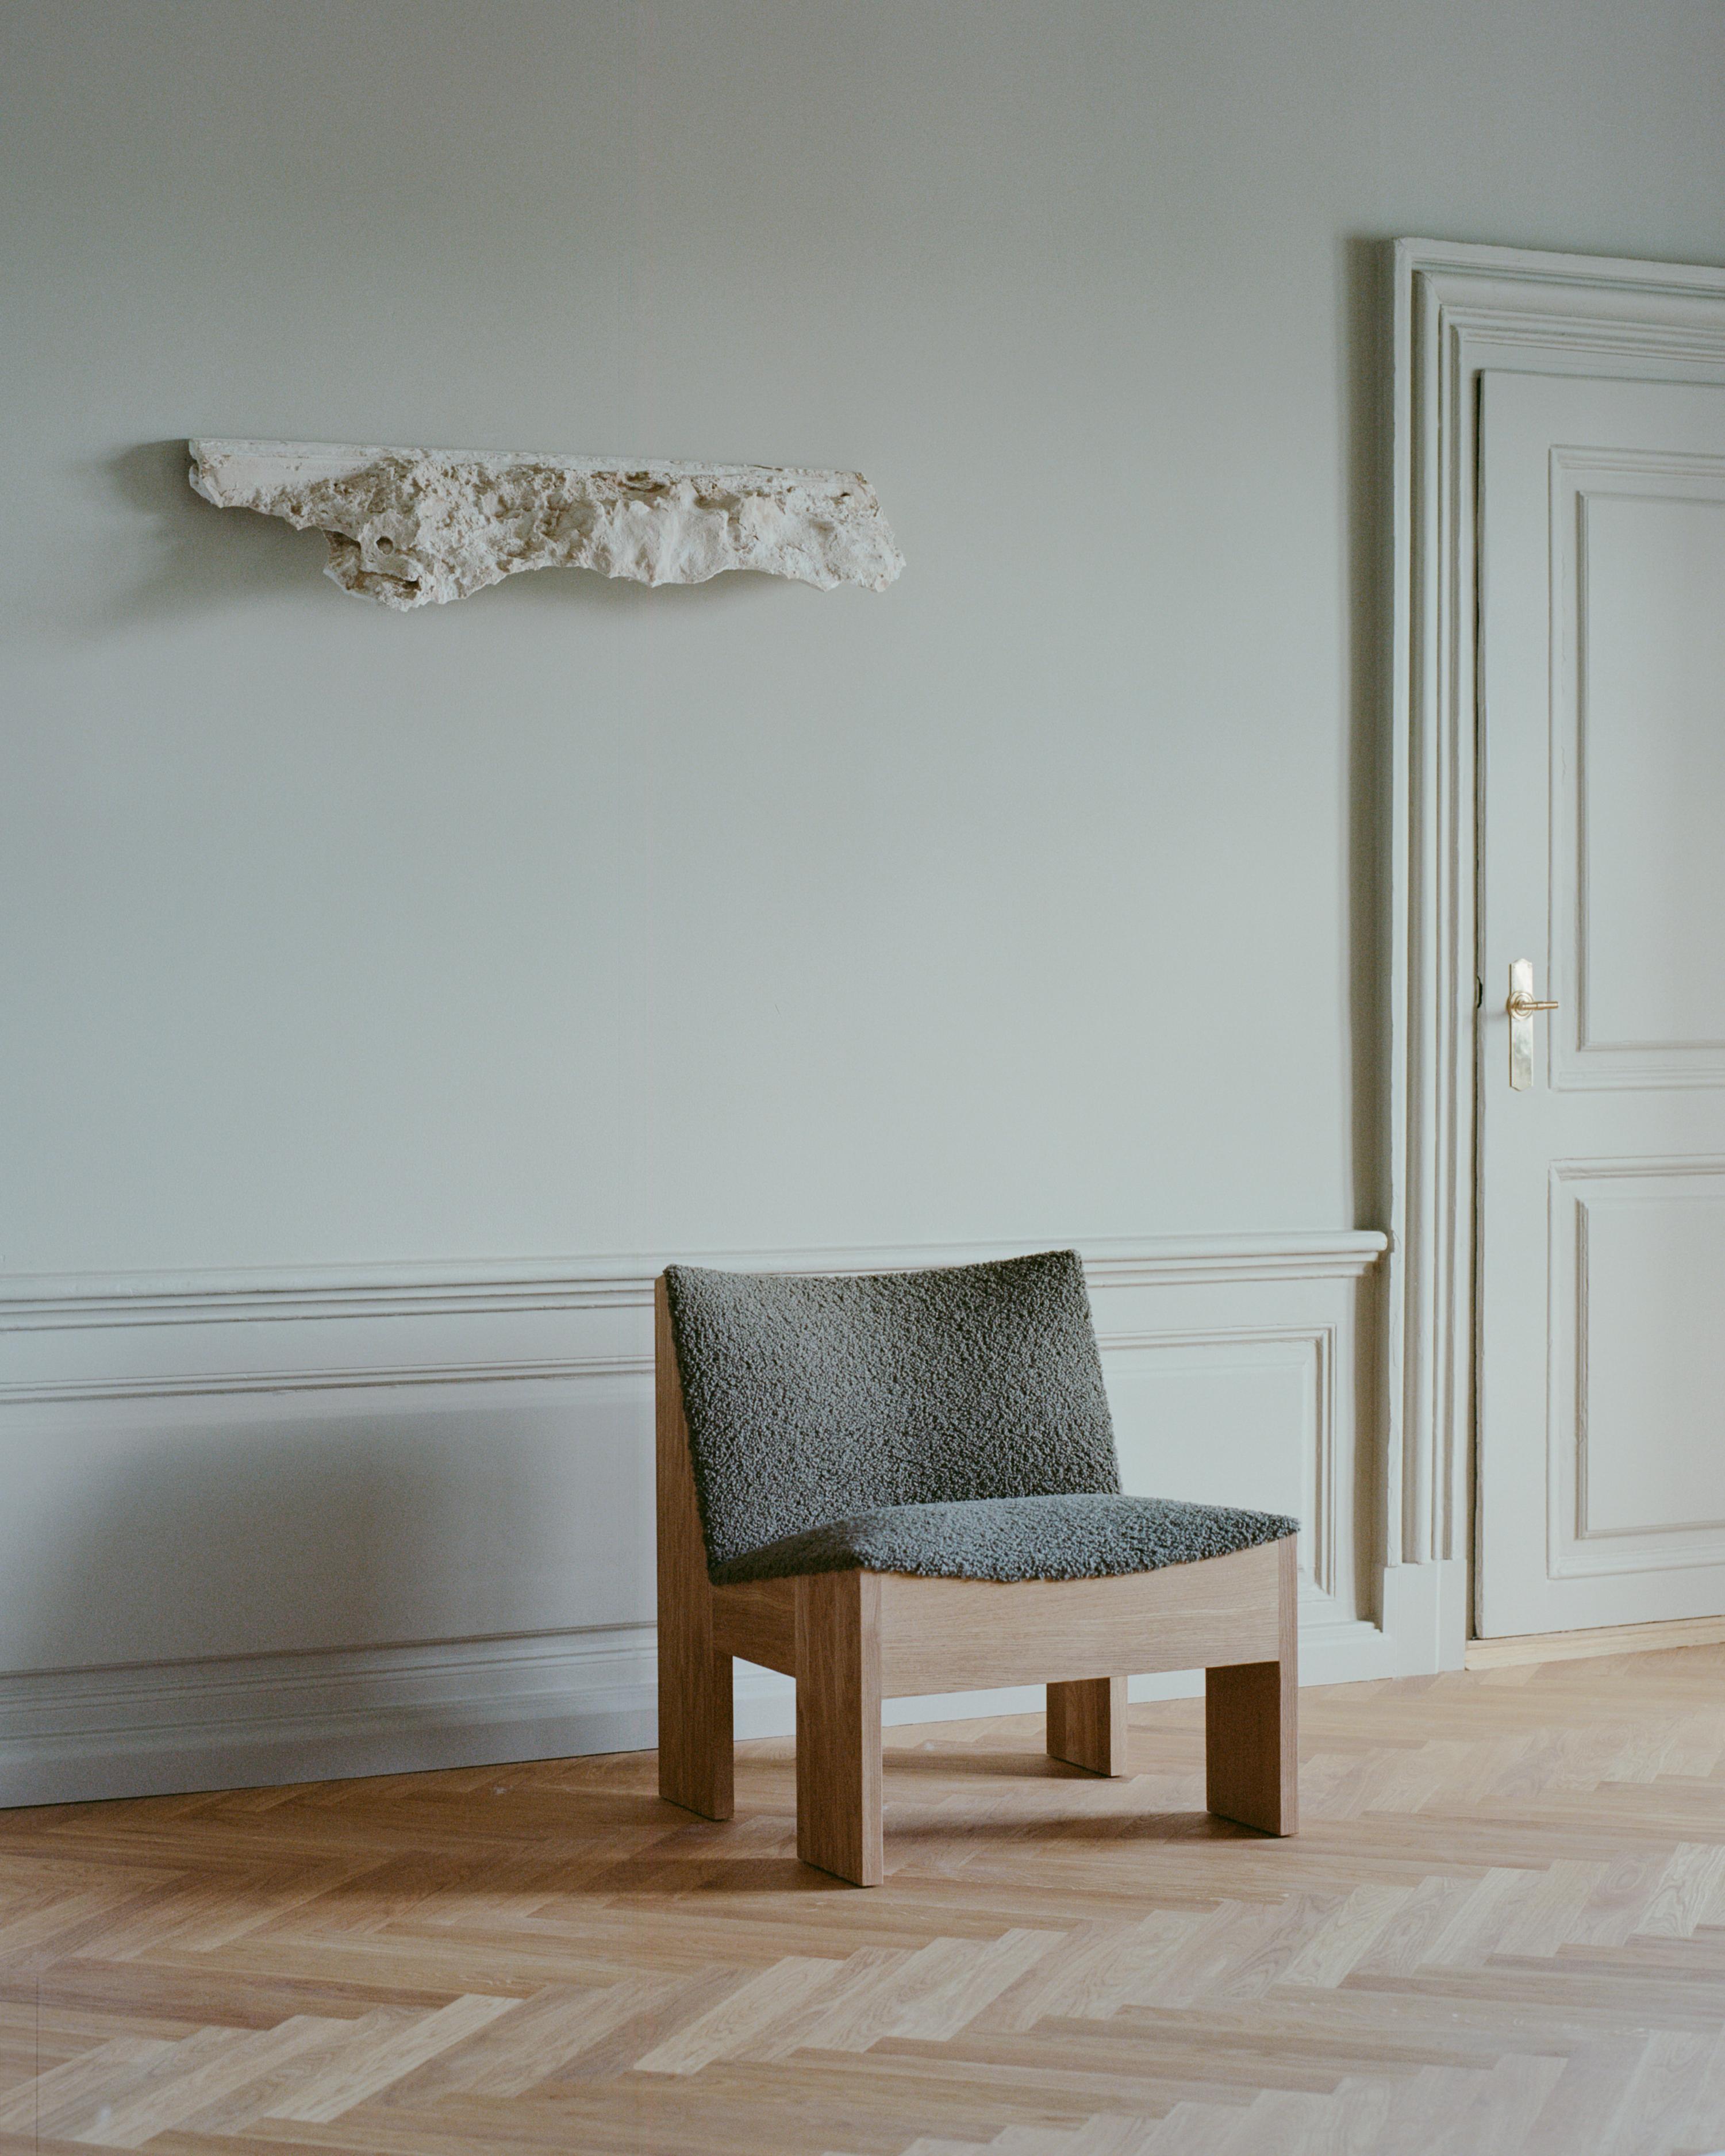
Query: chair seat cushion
x,y
1086,1536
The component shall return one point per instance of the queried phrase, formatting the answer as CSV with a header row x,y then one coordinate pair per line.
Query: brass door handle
x,y
1522,1005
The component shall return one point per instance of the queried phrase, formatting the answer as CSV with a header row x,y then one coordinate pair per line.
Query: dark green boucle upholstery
x,y
1071,1538
950,1422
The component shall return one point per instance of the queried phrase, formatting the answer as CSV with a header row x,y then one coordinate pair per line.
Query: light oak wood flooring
x,y
1502,1927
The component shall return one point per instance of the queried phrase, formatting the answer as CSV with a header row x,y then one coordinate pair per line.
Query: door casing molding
x,y
1459,310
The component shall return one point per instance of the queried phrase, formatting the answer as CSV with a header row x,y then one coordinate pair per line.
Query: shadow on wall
x,y
1366,281
230,1547
197,558
222,1535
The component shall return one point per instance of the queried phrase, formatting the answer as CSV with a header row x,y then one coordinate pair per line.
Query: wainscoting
x,y
271,1527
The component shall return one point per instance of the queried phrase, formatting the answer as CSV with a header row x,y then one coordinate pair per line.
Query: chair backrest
x,y
812,1399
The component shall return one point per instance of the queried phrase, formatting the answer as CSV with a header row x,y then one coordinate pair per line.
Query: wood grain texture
x,y
1251,1710
1597,1639
950,1634
1086,1724
839,1724
1502,1933
696,1728
758,1619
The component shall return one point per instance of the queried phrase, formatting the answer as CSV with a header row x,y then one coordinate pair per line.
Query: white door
x,y
1601,1273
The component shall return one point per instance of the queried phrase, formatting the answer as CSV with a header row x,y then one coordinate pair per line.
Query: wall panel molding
x,y
193,1384
206,1442
1319,1516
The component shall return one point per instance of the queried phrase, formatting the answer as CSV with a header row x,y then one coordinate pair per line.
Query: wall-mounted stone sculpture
x,y
417,527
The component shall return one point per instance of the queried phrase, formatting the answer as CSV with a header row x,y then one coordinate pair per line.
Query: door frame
x,y
1459,309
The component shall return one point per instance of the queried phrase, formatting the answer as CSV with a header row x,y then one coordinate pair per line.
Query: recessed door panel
x,y
1637,1319
1648,869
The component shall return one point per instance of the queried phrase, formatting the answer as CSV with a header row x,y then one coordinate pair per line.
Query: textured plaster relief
x,y
415,527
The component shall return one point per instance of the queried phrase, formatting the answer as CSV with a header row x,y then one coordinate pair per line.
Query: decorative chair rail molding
x,y
412,527
36,1301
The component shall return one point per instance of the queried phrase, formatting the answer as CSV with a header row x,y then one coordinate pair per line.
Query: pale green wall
x,y
1032,899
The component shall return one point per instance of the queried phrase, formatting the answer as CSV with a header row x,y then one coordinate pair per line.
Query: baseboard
x,y
82,1736
1523,1647
1423,1608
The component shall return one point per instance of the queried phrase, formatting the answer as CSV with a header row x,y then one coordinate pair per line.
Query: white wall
x,y
1034,901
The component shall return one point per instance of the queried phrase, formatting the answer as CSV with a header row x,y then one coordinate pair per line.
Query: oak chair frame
x,y
852,1638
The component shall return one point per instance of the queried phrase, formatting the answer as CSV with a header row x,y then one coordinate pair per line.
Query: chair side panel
x,y
758,1619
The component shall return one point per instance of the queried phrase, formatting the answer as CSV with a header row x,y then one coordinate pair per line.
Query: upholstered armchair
x,y
906,1482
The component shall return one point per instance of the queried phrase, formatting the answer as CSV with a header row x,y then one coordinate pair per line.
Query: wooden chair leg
x,y
696,1749
1086,1724
839,1724
1251,1727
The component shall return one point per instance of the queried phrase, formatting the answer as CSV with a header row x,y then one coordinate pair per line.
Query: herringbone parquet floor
x,y
1503,1928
